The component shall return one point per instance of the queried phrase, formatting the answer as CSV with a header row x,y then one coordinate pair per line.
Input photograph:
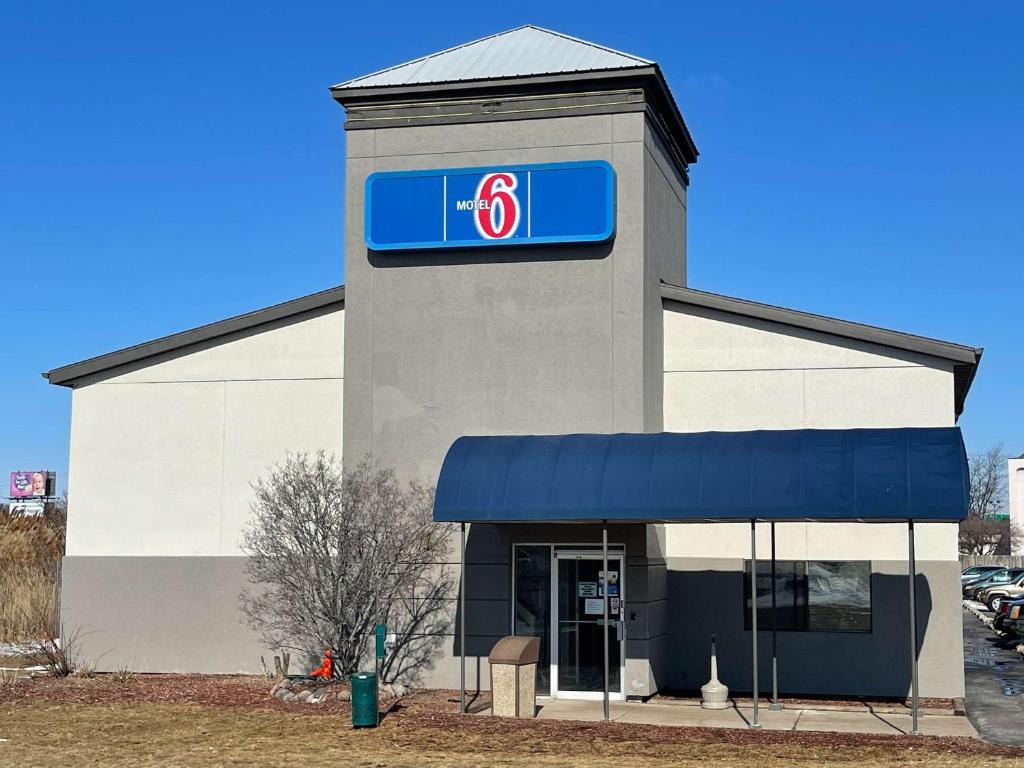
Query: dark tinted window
x,y
825,596
790,595
839,596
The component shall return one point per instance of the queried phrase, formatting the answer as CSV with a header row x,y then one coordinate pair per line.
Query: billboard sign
x,y
30,483
32,508
490,206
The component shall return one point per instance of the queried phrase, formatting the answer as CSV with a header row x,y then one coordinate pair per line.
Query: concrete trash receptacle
x,y
513,663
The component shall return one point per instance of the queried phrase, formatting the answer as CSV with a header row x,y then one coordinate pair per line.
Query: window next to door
x,y
814,596
532,604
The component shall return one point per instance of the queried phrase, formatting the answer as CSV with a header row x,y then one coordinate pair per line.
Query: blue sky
x,y
165,166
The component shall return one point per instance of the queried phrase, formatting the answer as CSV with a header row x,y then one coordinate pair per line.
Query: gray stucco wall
x,y
493,341
160,614
707,597
512,341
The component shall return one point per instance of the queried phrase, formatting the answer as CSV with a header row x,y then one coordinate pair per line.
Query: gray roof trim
x,y
387,93
491,107
649,77
965,359
69,375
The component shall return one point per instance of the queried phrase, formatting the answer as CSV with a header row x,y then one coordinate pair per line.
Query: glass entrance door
x,y
579,672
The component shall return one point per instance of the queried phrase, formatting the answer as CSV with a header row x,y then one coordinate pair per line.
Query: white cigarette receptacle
x,y
714,694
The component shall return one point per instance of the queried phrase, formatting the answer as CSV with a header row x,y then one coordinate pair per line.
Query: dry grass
x,y
197,735
203,721
28,602
30,553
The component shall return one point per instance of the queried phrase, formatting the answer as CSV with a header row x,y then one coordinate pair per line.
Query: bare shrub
x,y
86,669
60,655
123,675
333,553
8,678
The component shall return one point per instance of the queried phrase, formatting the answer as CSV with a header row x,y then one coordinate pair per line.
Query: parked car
x,y
1002,576
1013,623
977,572
968,585
995,593
1009,612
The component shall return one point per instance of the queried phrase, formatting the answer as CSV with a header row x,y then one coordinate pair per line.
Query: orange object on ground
x,y
325,670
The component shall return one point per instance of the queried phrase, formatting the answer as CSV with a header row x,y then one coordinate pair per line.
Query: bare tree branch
x,y
332,553
987,531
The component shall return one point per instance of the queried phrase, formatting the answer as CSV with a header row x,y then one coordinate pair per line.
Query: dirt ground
x,y
191,720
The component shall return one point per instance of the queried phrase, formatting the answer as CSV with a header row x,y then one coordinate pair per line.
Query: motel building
x,y
516,327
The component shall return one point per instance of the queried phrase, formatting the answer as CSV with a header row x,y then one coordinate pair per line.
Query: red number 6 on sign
x,y
497,216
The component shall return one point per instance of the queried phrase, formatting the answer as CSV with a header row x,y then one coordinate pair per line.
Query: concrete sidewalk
x,y
795,719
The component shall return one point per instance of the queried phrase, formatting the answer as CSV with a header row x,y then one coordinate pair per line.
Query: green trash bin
x,y
364,700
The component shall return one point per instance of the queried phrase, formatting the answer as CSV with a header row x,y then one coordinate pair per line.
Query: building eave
x,y
964,359
69,375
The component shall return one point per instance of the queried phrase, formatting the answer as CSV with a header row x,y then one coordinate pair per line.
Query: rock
x,y
345,695
319,692
303,696
275,689
289,696
280,693
399,690
387,691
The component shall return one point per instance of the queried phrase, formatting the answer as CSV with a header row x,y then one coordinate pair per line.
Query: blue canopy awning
x,y
871,475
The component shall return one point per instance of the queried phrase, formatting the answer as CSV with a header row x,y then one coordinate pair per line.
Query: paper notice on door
x,y
588,589
593,607
613,606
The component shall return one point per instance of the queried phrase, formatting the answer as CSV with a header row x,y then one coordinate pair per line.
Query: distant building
x,y
1015,474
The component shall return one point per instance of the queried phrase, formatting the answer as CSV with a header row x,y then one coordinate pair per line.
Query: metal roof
x,y
524,51
69,375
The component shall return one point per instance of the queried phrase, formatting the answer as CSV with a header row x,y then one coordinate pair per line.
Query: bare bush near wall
x,y
333,553
986,531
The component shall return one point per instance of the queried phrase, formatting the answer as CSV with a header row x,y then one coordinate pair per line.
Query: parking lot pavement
x,y
994,674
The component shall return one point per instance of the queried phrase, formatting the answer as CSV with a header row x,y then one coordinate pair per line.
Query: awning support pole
x,y
753,615
912,573
462,621
607,589
775,705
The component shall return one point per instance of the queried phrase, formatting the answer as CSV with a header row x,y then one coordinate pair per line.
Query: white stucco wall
x,y
162,454
724,372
